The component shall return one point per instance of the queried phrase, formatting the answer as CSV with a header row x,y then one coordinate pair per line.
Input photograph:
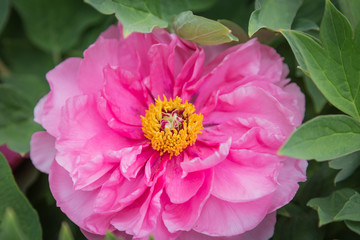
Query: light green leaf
x,y
351,9
329,207
136,15
10,228
348,164
236,30
110,236
351,209
324,138
353,226
65,232
273,14
11,197
16,119
4,13
145,15
55,26
333,66
201,30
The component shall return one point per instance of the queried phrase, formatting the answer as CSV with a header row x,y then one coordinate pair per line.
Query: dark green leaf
x,y
329,207
4,13
297,224
324,138
10,228
169,8
351,9
11,197
273,14
65,232
55,25
354,226
16,119
334,66
201,30
348,164
351,209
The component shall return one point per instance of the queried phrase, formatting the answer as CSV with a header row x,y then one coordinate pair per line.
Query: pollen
x,y
171,125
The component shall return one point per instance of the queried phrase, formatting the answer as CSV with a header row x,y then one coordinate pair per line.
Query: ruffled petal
x,y
292,172
140,218
63,80
77,205
183,216
118,192
42,151
202,157
125,95
179,188
221,218
234,182
263,231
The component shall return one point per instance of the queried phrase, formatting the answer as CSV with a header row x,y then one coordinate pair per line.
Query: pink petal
x,y
140,218
234,182
13,158
183,216
42,151
293,171
63,84
180,189
118,192
77,205
221,218
126,97
263,231
207,157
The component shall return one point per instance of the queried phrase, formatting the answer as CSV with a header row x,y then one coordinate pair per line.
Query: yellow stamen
x,y
171,125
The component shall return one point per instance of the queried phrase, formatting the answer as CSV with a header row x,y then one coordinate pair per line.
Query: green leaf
x,y
4,13
55,26
65,232
351,209
296,223
333,66
354,226
329,207
110,236
16,119
136,15
145,15
273,14
10,228
348,164
351,9
201,30
11,197
169,8
324,138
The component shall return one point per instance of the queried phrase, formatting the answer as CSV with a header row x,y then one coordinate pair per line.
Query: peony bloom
x,y
154,135
13,158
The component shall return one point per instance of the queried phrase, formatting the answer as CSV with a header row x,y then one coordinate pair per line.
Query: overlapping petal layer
x,y
104,173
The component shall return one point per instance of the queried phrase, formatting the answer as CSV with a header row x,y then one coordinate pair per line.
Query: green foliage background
x,y
319,39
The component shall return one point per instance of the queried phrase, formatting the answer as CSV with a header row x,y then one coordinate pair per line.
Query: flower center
x,y
171,125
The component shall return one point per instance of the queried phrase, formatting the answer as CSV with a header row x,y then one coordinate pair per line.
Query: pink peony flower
x,y
149,135
13,158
